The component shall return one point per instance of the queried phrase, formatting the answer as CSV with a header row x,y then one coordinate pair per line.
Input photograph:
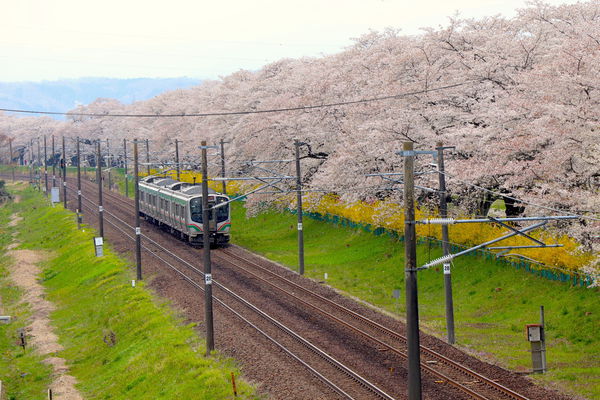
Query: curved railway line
x,y
285,292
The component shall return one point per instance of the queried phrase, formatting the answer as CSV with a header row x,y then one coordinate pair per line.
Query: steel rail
x,y
444,360
354,315
188,279
367,336
465,370
337,364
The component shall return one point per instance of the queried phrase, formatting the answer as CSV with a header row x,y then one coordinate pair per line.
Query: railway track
x,y
383,339
452,372
334,373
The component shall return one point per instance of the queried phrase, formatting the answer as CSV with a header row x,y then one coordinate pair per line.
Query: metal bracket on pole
x,y
414,153
450,257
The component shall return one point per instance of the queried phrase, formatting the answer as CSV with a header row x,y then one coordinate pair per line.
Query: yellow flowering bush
x,y
390,216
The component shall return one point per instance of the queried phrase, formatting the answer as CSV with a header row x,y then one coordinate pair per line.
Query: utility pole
x,y
64,156
299,211
177,158
45,165
125,166
108,164
11,158
148,156
138,231
208,307
39,170
79,210
53,163
445,245
31,161
410,276
99,181
224,183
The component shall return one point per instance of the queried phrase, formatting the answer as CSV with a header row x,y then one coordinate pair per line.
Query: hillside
x,y
63,95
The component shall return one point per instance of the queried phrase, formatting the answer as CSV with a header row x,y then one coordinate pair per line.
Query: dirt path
x,y
24,273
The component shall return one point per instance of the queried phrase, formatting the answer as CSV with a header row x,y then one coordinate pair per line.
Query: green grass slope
x,y
493,301
120,342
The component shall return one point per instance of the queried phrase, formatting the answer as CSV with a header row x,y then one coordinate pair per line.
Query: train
x,y
177,207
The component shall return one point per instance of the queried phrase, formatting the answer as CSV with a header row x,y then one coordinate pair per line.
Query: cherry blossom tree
x,y
520,105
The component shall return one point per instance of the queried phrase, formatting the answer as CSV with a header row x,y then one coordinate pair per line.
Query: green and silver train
x,y
177,207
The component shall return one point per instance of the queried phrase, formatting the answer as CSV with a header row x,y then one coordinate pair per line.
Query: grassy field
x,y
120,342
493,301
22,369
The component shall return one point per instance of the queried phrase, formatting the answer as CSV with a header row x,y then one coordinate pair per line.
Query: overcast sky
x,y
54,39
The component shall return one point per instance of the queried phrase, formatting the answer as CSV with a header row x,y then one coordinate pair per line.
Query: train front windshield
x,y
222,211
196,210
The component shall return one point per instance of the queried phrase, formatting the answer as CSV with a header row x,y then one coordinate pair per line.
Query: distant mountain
x,y
64,95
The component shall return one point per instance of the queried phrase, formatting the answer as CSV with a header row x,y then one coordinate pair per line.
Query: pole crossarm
x,y
450,257
413,153
386,177
254,164
243,178
266,185
251,162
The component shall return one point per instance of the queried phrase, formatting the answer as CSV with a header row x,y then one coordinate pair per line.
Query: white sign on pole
x,y
446,268
55,195
98,242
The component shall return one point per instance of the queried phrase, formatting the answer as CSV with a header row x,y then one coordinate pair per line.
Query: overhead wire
x,y
244,112
517,199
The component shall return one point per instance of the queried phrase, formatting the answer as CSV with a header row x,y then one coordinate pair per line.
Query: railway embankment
x,y
492,301
115,340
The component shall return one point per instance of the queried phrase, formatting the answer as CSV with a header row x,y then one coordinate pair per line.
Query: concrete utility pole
x,y
99,181
108,164
10,150
64,156
224,190
410,276
177,159
445,246
31,161
79,210
299,211
39,168
45,165
125,167
53,163
148,156
208,307
138,231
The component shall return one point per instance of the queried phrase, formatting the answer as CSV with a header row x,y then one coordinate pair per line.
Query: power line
x,y
517,199
230,113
